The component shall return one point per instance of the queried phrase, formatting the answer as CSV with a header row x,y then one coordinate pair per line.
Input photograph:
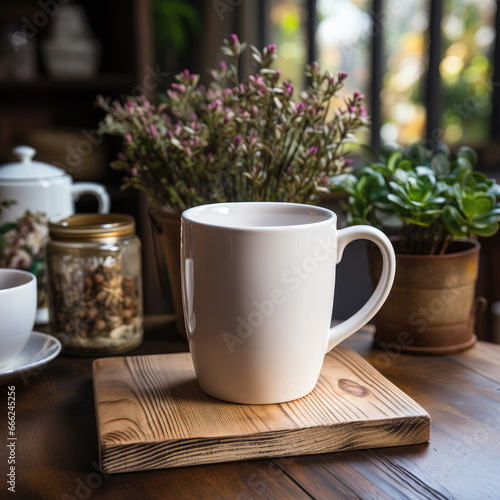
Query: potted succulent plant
x,y
437,205
252,140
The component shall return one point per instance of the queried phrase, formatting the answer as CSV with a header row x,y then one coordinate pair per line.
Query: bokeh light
x,y
343,41
466,70
287,31
402,100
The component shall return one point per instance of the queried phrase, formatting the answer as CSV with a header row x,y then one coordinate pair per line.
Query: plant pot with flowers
x,y
252,140
437,205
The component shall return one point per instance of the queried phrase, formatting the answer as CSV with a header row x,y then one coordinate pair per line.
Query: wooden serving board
x,y
152,414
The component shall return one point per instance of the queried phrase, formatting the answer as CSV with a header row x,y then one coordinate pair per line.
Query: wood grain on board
x,y
152,414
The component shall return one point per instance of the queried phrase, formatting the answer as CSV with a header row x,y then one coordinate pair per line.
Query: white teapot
x,y
31,193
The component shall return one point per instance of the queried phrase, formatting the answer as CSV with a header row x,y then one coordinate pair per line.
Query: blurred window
x,y
417,84
466,69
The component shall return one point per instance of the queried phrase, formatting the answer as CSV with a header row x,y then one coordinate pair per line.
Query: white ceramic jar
x,y
31,193
72,51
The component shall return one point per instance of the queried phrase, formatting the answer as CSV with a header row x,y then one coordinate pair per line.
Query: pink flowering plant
x,y
236,141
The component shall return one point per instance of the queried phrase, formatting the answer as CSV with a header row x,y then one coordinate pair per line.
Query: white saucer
x,y
39,350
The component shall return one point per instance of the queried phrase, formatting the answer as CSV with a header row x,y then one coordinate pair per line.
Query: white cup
x,y
258,283
17,312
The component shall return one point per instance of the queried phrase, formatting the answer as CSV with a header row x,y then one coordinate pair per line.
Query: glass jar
x,y
95,283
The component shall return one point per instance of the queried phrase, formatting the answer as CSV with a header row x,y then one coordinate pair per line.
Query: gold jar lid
x,y
92,227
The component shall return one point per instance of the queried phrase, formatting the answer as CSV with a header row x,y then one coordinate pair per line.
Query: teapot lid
x,y
26,168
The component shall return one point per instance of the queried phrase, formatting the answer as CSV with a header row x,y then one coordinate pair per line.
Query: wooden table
x,y
57,456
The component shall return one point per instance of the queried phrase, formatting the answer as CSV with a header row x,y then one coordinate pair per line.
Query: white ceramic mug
x,y
258,283
17,312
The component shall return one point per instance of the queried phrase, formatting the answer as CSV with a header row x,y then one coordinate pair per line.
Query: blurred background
x,y
430,71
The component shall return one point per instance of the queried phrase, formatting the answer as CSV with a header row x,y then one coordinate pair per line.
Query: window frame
x,y
432,78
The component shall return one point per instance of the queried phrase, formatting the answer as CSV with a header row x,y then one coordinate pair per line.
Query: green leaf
x,y
468,153
464,164
387,150
343,181
437,200
483,205
171,20
379,194
485,220
441,165
7,227
472,207
398,201
457,194
454,222
416,222
368,152
398,188
405,164
442,148
495,212
417,154
494,190
393,160
425,171
457,174
37,267
433,211
401,175
487,231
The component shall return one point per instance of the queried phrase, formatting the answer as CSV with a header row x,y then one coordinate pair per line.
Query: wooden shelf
x,y
105,82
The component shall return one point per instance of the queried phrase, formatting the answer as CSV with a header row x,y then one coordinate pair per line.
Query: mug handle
x,y
98,190
345,236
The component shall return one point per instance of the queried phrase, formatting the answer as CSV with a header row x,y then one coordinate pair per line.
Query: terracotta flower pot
x,y
432,306
166,230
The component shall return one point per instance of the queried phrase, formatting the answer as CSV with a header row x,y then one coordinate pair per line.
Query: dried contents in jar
x,y
95,305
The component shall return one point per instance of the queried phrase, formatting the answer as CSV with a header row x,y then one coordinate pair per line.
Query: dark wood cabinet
x,y
29,103
57,115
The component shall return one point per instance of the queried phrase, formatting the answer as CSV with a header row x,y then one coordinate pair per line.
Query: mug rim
x,y
190,214
30,277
